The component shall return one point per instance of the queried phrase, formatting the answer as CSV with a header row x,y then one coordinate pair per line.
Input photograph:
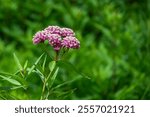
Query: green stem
x,y
56,57
43,90
44,86
46,80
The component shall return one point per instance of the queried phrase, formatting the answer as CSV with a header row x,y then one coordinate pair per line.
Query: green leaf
x,y
70,66
43,66
53,77
65,83
52,65
17,62
21,81
16,87
61,95
26,64
12,81
40,75
6,88
32,68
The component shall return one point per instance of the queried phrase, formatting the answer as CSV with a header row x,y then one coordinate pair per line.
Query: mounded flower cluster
x,y
58,37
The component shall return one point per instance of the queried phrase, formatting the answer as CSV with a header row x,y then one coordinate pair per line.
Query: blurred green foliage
x,y
114,53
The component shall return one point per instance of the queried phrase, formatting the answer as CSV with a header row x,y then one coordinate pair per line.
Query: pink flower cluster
x,y
58,37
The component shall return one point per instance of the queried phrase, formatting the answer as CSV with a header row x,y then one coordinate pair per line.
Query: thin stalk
x,y
46,80
44,87
43,90
57,55
65,50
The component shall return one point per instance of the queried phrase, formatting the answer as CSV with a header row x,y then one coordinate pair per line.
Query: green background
x,y
114,52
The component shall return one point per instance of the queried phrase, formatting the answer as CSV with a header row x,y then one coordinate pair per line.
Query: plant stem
x,y
43,90
56,57
44,87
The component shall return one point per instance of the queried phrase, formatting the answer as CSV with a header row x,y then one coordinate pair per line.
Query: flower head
x,y
40,36
55,41
70,42
67,32
53,30
58,37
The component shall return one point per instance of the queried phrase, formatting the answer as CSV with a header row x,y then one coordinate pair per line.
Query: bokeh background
x,y
113,61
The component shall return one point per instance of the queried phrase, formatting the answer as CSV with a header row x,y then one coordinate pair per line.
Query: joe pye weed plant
x,y
61,40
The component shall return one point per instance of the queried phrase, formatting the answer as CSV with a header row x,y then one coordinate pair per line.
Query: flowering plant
x,y
61,40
